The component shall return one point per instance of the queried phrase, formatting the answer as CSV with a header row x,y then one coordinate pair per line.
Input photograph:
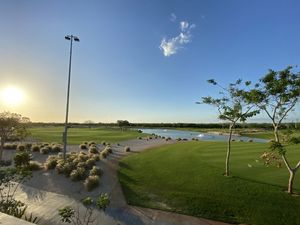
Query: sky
x,y
140,60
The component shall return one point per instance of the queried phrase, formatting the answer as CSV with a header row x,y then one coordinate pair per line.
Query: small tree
x,y
277,94
232,108
12,127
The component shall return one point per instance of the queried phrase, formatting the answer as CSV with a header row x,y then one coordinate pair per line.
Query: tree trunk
x,y
228,151
276,134
1,148
291,181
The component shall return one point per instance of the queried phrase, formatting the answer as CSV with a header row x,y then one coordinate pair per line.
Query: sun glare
x,y
12,96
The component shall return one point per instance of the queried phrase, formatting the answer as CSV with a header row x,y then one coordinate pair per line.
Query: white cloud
x,y
184,25
172,45
173,17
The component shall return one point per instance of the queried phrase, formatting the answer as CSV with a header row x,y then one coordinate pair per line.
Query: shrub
x,y
5,163
91,182
77,174
10,146
140,138
127,149
45,150
92,143
250,140
28,146
51,162
59,168
35,148
178,139
103,154
93,150
83,146
82,164
96,157
82,157
103,143
56,148
108,149
67,168
90,163
95,171
21,147
34,165
168,139
22,159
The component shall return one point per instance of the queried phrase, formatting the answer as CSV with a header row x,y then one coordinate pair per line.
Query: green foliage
x,y
10,146
22,159
102,201
278,147
91,182
66,213
10,179
69,215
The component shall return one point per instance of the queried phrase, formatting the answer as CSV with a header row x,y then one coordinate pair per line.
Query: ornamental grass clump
x,y
35,165
90,163
21,147
91,143
51,162
83,147
91,182
127,149
45,150
78,174
35,148
55,148
95,171
93,149
10,146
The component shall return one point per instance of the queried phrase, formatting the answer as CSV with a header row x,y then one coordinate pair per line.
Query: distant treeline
x,y
172,125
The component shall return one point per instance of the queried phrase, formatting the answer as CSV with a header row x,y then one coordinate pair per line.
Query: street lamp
x,y
70,38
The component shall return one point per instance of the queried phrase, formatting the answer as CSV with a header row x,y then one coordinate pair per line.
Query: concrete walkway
x,y
45,204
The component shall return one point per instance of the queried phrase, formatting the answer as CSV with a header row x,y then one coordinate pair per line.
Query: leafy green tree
x,y
277,94
12,127
232,108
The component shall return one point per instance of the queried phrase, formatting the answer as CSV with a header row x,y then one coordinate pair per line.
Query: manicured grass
x,y
78,135
187,178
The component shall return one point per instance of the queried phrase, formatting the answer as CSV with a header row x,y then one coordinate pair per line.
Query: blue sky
x,y
120,71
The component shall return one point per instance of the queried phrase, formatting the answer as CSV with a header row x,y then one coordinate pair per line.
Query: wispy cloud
x,y
171,46
173,17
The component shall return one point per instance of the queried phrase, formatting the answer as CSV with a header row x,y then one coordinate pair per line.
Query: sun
x,y
12,96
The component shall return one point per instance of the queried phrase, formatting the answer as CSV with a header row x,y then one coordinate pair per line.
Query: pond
x,y
174,134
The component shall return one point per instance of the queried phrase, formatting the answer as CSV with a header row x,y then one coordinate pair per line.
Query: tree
x,y
232,108
277,94
123,123
12,127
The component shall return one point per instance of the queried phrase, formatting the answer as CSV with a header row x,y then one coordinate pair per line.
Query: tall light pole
x,y
70,38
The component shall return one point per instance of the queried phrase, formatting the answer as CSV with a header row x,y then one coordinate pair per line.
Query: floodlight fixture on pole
x,y
70,38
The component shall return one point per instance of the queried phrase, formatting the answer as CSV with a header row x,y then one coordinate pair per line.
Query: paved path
x,y
44,203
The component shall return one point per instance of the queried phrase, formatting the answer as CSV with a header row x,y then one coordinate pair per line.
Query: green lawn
x,y
187,178
79,135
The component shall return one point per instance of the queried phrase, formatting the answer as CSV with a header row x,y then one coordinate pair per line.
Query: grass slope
x,y
78,135
187,178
